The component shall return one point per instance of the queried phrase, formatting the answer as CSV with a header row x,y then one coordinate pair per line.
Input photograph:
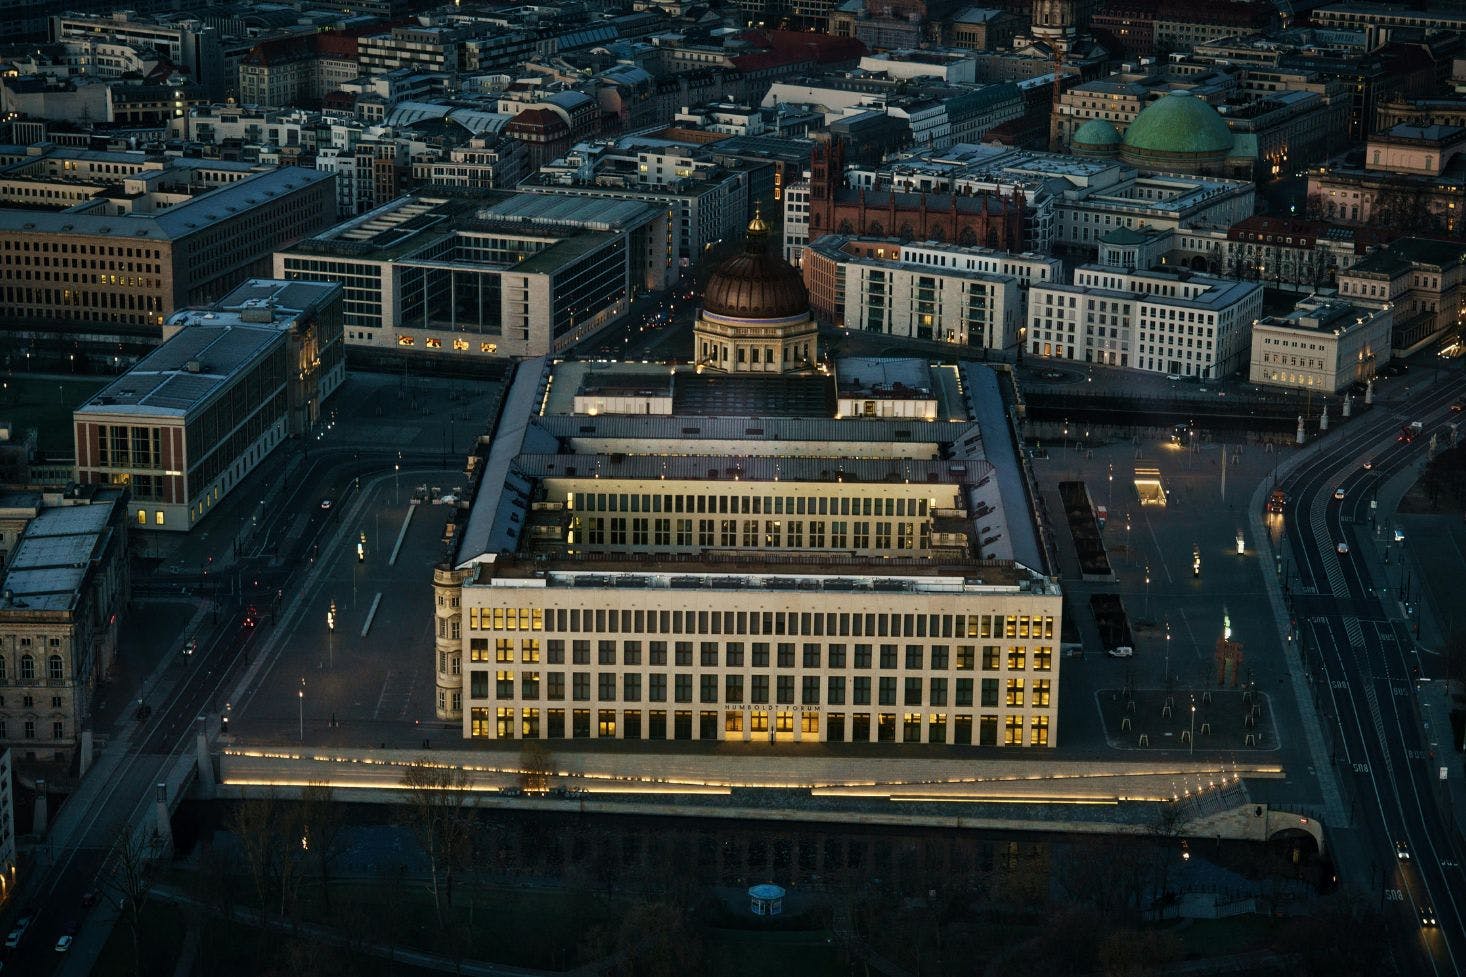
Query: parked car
x,y
63,944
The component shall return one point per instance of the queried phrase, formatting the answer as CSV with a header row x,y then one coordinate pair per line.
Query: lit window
x,y
158,517
406,341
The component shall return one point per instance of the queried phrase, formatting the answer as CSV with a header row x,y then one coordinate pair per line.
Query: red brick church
x,y
985,218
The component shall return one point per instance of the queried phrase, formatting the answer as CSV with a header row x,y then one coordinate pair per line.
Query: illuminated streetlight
x,y
301,694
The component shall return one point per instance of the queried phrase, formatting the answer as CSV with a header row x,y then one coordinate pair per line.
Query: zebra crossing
x,y
1332,569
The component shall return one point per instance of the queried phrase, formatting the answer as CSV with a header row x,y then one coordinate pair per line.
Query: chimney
x,y
194,366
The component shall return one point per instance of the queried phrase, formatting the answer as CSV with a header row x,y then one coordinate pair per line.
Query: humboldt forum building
x,y
762,544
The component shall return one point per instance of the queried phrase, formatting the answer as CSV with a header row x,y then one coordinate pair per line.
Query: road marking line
x,y
401,535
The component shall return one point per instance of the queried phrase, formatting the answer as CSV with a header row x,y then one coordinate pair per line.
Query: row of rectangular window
x,y
754,505
507,723
814,624
629,687
731,654
715,533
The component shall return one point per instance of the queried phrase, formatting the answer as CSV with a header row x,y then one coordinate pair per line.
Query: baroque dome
x,y
1179,124
756,284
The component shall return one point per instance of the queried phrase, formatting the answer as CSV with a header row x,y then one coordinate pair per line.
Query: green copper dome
x,y
1179,124
1097,132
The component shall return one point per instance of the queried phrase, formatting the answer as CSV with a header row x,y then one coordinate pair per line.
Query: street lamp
x,y
1147,591
1168,652
1192,736
301,694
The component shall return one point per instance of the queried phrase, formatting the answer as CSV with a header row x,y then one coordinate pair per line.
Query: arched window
x,y
27,667
54,668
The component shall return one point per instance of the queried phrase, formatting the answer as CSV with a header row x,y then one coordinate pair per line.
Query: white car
x,y
1402,851
1342,549
326,503
1339,493
1123,651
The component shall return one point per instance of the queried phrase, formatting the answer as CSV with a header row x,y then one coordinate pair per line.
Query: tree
x,y
438,798
321,823
536,767
252,822
131,881
657,939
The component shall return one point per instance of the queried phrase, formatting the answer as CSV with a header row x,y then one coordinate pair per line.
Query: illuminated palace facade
x,y
813,550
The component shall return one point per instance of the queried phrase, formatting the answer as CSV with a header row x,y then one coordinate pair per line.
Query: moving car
x,y
1339,493
1369,464
1427,916
1123,651
63,944
1342,549
1458,407
325,503
1402,851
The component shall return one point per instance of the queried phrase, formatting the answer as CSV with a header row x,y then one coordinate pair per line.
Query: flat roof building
x,y
185,425
148,236
1321,345
779,578
490,274
1173,322
722,553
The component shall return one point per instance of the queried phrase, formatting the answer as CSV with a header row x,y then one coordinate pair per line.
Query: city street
x,y
1357,643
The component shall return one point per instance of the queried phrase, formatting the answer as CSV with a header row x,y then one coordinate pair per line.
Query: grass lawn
x,y
46,405
735,953
524,927
227,948
1221,937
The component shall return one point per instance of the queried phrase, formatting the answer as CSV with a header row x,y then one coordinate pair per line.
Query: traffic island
x,y
1157,719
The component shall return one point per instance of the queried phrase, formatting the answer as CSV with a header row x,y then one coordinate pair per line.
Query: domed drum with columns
x,y
755,316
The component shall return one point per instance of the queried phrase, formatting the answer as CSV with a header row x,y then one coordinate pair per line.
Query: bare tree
x,y
321,822
438,797
253,823
536,767
131,881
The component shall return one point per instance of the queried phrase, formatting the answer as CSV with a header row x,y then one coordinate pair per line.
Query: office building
x,y
98,238
193,418
1173,322
845,552
943,293
62,602
489,274
1322,345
